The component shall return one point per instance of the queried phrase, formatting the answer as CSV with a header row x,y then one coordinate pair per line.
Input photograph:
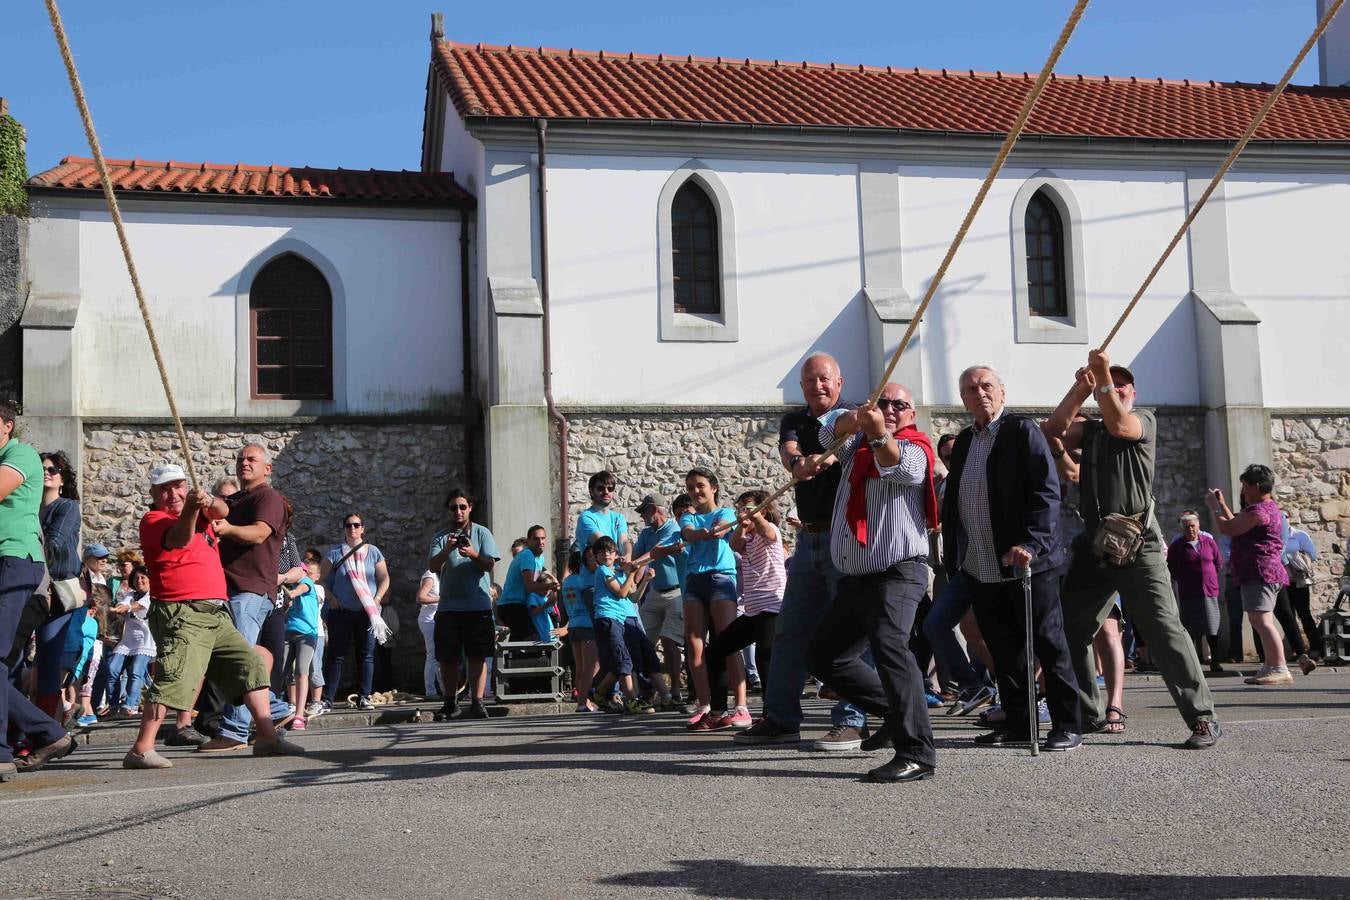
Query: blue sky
x,y
342,82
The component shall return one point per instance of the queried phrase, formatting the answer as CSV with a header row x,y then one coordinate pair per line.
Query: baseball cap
x,y
655,500
1123,373
166,473
98,551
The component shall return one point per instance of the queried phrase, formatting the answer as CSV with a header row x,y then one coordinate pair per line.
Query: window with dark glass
x,y
1047,291
291,331
693,231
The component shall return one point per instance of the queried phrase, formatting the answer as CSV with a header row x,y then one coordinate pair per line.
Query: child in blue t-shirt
x,y
302,639
618,635
580,628
710,598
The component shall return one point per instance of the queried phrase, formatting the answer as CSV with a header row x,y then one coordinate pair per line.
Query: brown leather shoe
x,y
221,745
43,755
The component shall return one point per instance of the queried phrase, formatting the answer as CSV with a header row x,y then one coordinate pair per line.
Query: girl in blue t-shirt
x,y
302,639
580,628
710,598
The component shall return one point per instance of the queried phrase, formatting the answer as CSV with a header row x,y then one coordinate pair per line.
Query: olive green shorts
x,y
197,639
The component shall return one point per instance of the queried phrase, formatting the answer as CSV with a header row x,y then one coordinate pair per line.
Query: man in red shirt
x,y
190,622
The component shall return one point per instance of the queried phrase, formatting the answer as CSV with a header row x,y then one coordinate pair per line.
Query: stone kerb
x,y
1312,484
394,475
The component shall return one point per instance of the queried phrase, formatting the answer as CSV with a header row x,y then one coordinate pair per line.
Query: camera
x,y
460,539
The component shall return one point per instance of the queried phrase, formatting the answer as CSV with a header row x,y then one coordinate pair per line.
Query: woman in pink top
x,y
1255,563
763,578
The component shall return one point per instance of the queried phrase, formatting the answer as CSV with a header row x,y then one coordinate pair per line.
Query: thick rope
x,y
59,29
1241,145
1009,141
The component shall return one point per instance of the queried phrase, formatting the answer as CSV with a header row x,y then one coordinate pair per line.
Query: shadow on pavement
x,y
730,878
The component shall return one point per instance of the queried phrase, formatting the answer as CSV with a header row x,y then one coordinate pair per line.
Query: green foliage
x,y
13,168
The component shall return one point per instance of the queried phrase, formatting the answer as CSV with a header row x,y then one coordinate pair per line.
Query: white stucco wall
x,y
398,277
797,254
1290,261
1126,219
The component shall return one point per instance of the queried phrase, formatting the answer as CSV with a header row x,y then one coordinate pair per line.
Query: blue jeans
x,y
347,629
248,612
811,584
939,627
19,577
134,666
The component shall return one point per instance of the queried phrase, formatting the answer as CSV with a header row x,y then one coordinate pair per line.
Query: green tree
x,y
13,168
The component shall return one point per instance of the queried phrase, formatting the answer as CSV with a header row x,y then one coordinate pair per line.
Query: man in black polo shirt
x,y
811,576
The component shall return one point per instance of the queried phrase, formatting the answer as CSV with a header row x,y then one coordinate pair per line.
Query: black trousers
x,y
878,610
1000,609
741,633
1301,599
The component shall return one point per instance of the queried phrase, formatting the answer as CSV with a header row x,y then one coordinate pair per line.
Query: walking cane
x,y
1033,714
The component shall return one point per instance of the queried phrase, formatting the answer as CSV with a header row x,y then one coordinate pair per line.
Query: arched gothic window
x,y
291,331
1047,289
694,246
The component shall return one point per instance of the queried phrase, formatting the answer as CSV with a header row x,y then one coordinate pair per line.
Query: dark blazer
x,y
1023,496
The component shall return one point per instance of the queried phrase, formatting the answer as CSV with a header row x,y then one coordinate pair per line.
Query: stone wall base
x,y
394,475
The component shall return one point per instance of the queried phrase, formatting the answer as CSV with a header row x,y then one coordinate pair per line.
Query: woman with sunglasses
x,y
60,518
357,578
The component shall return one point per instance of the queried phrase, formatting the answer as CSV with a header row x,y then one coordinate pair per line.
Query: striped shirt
x,y
764,574
981,559
897,527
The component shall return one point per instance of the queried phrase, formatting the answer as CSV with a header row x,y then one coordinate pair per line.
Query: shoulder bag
x,y
1118,538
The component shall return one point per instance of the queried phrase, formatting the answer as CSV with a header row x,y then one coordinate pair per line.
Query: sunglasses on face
x,y
352,525
51,470
459,506
898,405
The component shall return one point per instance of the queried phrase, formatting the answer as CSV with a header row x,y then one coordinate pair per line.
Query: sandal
x,y
1116,725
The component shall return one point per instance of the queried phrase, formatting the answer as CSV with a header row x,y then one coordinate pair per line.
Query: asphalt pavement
x,y
600,806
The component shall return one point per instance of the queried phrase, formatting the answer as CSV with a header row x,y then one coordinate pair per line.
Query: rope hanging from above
x,y
1009,141
1241,145
78,89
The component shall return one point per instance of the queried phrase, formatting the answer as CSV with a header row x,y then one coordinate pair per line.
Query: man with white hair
x,y
251,525
191,624
1000,518
1121,550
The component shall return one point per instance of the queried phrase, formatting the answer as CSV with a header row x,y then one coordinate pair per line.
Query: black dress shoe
x,y
877,740
898,770
1061,740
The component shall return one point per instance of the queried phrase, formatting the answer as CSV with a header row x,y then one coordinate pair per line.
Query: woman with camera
x,y
1255,562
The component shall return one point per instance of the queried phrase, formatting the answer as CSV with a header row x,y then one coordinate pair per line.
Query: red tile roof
x,y
259,182
492,81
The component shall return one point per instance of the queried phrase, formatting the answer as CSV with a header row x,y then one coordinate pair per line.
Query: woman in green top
x,y
21,571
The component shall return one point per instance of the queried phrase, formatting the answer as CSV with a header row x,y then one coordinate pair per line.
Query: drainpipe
x,y
470,409
562,541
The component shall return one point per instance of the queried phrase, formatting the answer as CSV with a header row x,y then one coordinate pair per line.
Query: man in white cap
x,y
191,624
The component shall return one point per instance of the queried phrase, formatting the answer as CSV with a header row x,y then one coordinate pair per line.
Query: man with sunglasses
x,y
1000,517
886,504
601,520
463,554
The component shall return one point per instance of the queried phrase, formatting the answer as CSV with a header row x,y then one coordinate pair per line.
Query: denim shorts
x,y
705,587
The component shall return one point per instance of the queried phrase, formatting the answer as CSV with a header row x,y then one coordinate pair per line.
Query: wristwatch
x,y
878,442
1057,453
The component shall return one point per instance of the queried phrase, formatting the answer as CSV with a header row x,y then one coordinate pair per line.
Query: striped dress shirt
x,y
981,559
897,527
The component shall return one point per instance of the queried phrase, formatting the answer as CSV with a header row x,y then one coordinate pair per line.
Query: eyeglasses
x,y
51,470
898,405
352,525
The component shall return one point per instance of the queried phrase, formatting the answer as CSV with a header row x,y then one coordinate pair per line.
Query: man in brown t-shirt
x,y
251,530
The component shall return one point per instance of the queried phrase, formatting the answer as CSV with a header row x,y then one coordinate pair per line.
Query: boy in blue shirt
x,y
617,632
